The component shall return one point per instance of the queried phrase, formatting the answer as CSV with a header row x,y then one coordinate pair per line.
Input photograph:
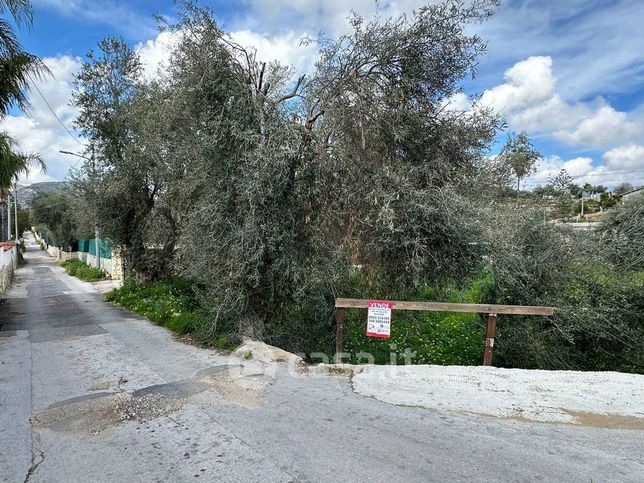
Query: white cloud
x,y
528,83
285,48
550,166
155,54
580,168
621,164
57,90
457,102
326,16
38,131
602,127
528,100
625,158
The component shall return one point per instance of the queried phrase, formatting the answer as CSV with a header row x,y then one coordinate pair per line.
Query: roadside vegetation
x,y
245,197
173,303
77,268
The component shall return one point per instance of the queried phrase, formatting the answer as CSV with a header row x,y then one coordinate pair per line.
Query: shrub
x,y
599,296
78,269
621,234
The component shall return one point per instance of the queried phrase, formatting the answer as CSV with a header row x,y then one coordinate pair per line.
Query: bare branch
x,y
293,93
311,120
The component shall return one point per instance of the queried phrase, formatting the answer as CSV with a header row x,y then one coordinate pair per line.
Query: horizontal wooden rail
x,y
492,310
447,307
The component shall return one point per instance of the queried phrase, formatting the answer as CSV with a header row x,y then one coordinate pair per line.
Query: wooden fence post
x,y
339,335
489,339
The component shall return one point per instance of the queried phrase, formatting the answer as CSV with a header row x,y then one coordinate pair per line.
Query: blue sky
x,y
569,72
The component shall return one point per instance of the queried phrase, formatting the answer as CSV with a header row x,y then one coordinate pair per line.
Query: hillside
x,y
27,193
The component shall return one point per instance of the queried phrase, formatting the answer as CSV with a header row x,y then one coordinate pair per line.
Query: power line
x,y
56,115
35,86
606,173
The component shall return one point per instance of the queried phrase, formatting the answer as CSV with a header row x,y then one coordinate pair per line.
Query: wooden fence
x,y
491,310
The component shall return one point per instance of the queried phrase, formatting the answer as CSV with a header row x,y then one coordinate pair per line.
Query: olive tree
x,y
396,162
118,180
283,181
521,156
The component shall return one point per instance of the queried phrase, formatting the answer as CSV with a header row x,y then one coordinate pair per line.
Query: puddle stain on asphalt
x,y
97,414
610,421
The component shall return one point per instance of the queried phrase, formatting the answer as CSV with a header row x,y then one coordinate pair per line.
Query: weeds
x,y
172,303
76,268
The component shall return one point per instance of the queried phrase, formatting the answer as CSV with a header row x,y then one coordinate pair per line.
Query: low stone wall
x,y
54,252
106,263
64,256
111,266
8,264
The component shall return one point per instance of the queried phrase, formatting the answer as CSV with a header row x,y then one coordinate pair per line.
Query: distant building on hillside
x,y
631,194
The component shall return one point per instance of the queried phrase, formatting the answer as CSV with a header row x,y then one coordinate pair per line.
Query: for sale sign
x,y
379,319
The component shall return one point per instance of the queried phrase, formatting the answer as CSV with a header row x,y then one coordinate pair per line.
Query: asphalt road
x,y
89,392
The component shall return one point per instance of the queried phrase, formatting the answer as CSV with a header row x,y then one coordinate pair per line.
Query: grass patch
x,y
443,338
172,303
78,269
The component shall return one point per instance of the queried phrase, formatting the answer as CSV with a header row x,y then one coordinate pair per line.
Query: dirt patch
x,y
239,386
587,419
612,421
145,408
95,414
90,417
94,417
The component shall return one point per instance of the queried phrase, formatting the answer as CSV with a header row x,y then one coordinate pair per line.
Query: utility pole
x,y
97,245
15,207
9,236
97,239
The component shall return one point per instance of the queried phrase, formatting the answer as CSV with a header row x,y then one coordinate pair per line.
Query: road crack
x,y
37,456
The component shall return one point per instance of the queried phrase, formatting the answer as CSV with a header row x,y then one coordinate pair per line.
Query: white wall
x,y
8,264
111,266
